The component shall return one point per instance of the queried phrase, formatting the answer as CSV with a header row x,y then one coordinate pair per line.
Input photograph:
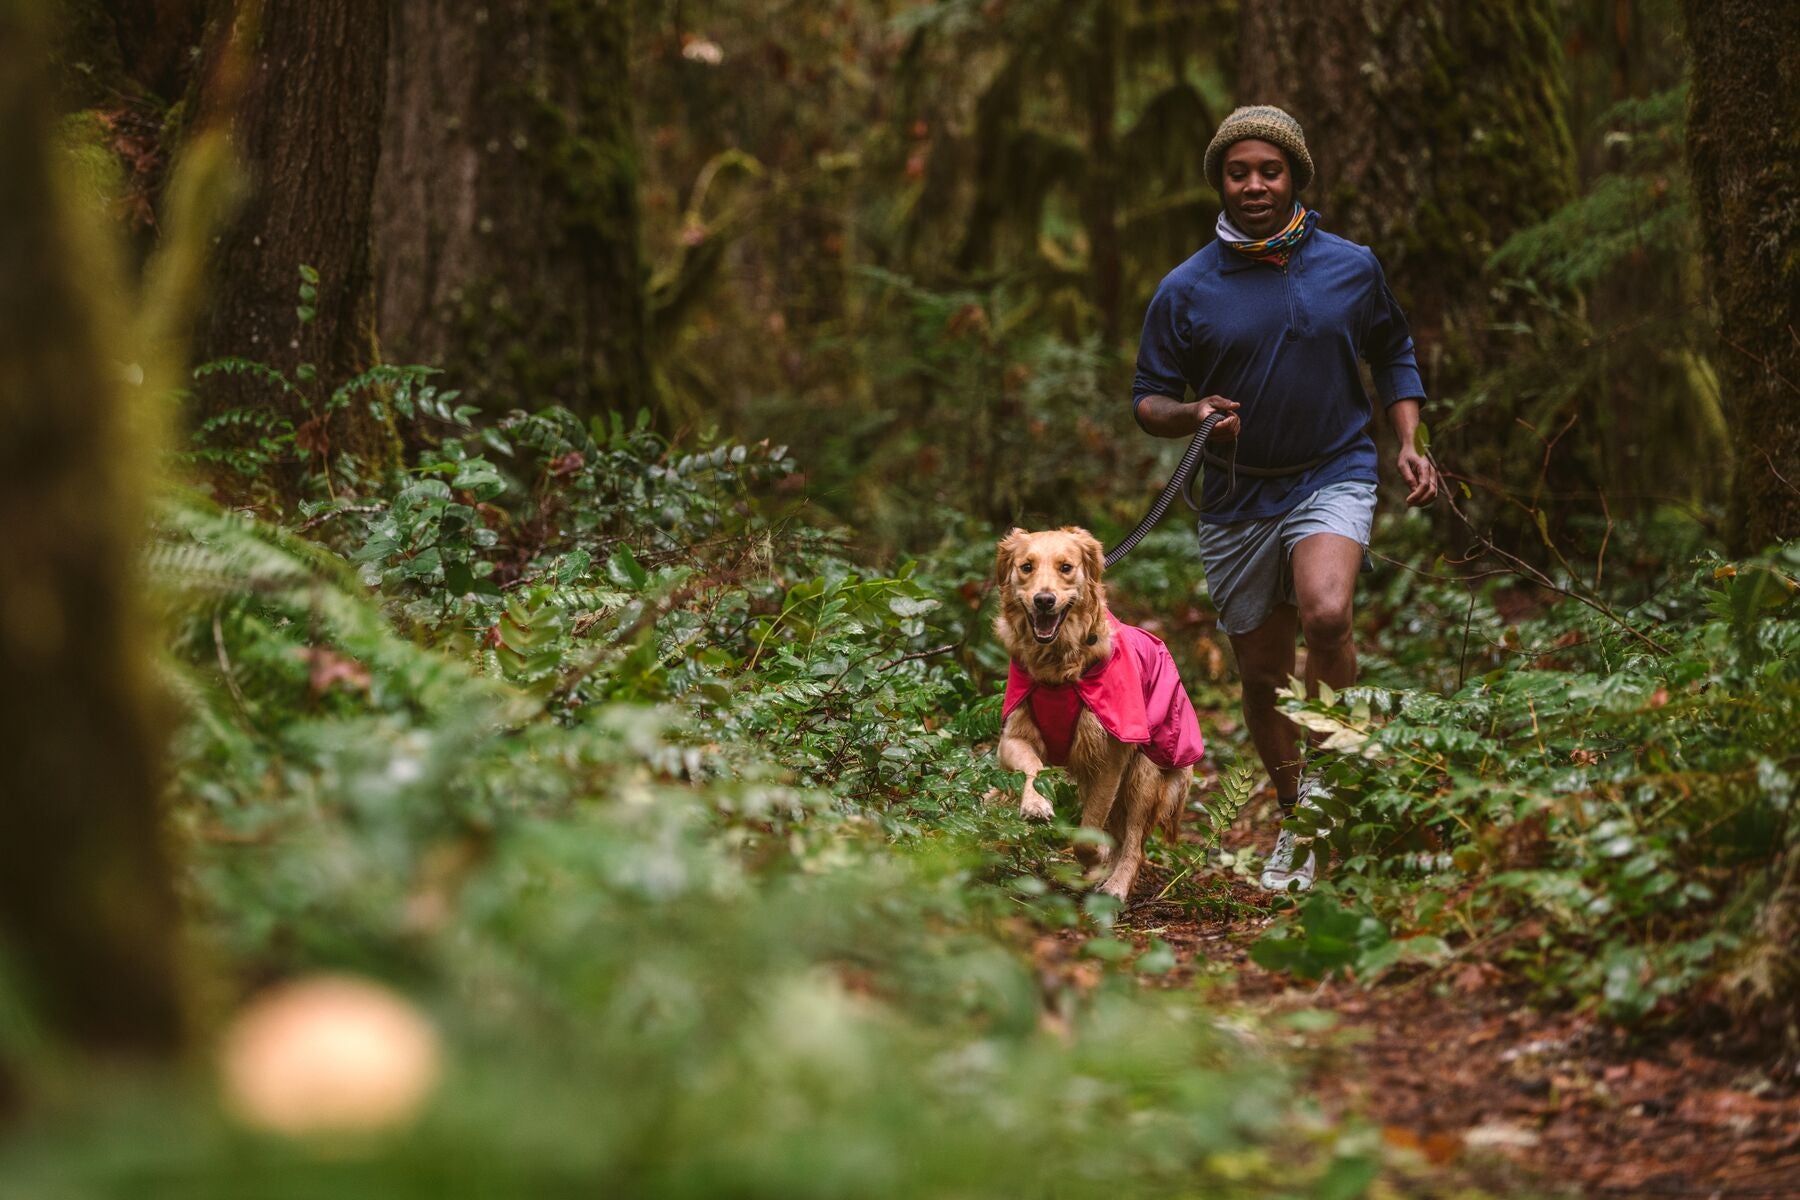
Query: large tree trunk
x,y
87,911
1437,131
507,208
1744,155
302,95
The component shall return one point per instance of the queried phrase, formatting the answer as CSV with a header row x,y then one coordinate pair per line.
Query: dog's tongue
x,y
1044,624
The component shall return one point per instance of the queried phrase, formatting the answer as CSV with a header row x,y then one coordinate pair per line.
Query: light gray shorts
x,y
1247,561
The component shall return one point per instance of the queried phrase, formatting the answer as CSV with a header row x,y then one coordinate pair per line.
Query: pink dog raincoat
x,y
1136,695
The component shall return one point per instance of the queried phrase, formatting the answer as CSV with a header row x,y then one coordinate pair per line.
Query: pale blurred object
x,y
702,50
328,1054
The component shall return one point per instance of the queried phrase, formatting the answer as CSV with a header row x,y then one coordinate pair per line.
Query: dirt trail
x,y
1471,1085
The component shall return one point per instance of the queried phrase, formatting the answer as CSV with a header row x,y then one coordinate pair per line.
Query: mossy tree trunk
x,y
1437,130
87,910
507,207
1743,147
301,95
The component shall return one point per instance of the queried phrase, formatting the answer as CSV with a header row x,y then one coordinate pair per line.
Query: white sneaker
x,y
1280,874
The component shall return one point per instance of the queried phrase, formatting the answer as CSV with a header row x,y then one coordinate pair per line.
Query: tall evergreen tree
x,y
1744,156
507,207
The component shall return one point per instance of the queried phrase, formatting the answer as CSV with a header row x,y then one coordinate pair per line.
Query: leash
x,y
1181,483
1178,484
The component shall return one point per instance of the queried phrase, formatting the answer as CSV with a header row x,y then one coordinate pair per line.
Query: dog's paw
x,y
1036,808
1118,889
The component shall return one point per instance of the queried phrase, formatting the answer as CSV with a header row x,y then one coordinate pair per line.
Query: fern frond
x,y
246,366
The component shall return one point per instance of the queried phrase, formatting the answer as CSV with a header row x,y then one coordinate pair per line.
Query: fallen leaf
x,y
1436,1148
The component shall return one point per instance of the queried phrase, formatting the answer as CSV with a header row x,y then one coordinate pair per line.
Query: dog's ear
x,y
1003,556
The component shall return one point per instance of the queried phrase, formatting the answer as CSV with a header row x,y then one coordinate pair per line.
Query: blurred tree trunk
x,y
107,50
155,37
301,94
87,911
1100,187
1743,147
85,53
1437,131
507,208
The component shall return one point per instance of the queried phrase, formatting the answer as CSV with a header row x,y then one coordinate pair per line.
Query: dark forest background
x,y
910,237
496,502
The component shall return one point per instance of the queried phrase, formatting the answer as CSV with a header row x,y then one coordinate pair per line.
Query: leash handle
x,y
1177,486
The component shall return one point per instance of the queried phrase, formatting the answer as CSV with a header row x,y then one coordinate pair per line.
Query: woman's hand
x,y
1421,477
1227,429
1415,467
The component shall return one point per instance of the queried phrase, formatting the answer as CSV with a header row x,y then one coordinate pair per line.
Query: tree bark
x,y
1743,146
87,910
305,123
1437,131
507,208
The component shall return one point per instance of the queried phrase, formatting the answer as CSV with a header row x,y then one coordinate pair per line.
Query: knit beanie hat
x,y
1266,123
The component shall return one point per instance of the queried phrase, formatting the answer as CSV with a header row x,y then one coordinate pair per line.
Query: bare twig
x,y
321,518
1433,576
1764,363
1777,474
1521,567
231,682
1600,559
1462,661
1537,489
918,654
651,614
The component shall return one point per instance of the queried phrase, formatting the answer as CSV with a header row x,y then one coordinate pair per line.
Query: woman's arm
x,y
1388,348
1162,376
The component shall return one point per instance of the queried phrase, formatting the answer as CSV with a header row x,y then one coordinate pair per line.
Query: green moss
x,y
95,171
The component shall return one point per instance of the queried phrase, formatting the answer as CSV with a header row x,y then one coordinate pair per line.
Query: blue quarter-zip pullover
x,y
1284,344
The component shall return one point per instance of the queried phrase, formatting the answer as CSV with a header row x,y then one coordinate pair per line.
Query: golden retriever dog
x,y
1055,623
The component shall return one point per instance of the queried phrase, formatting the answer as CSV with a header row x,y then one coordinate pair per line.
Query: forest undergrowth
x,y
675,807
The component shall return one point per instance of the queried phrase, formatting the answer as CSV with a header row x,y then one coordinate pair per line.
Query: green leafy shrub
x,y
670,813
1596,813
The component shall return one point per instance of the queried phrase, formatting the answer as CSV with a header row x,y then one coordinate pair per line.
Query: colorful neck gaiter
x,y
1274,249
